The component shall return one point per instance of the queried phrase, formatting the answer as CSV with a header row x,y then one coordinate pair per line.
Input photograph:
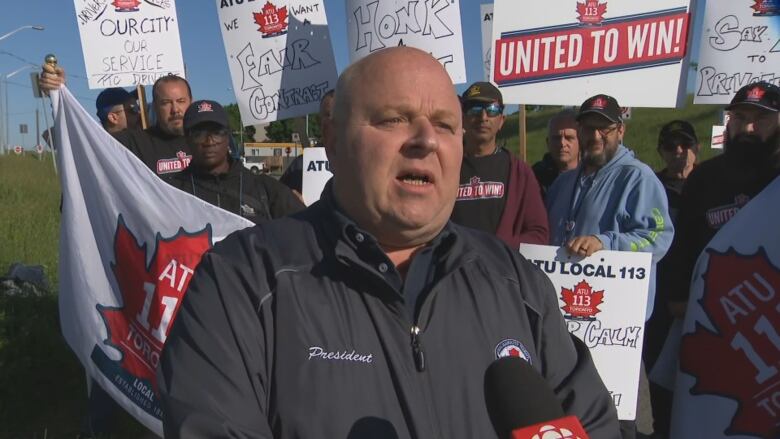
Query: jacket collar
x,y
234,170
354,243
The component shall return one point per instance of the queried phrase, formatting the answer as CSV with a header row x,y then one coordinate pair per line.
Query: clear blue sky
x,y
204,53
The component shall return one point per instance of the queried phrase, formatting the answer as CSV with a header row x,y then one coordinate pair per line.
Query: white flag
x,y
129,244
728,384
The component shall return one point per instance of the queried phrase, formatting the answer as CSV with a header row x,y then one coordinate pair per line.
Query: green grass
x,y
42,384
29,213
641,131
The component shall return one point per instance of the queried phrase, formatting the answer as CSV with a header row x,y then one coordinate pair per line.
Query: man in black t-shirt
x,y
498,193
161,147
718,188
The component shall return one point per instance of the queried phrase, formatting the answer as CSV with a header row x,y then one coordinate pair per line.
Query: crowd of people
x,y
375,311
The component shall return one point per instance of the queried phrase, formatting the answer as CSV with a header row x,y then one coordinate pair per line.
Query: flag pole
x,y
50,59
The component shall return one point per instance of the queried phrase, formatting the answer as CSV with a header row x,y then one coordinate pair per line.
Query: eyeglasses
x,y
200,134
493,109
672,146
606,131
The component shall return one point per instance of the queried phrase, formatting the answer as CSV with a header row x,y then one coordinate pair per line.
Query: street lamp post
x,y
19,30
6,129
3,146
7,109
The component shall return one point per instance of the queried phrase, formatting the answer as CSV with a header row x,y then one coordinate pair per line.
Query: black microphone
x,y
521,404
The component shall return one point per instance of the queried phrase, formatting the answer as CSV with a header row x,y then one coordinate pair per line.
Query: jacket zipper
x,y
417,349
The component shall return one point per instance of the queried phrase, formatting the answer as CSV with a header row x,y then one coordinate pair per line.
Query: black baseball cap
x,y
204,111
109,98
760,94
602,104
482,92
678,130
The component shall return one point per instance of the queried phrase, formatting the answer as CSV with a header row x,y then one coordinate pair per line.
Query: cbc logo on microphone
x,y
553,432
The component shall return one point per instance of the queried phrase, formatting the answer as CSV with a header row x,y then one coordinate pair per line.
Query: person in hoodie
x,y
498,192
611,201
213,176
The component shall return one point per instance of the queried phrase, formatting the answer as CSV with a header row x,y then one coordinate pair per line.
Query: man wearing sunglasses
x,y
215,177
611,201
678,146
498,193
718,188
117,110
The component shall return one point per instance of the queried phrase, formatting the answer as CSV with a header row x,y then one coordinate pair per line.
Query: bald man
x,y
369,314
563,149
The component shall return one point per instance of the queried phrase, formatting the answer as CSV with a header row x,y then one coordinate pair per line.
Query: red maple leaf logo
x,y
581,301
272,21
151,295
739,359
126,5
766,7
756,93
591,12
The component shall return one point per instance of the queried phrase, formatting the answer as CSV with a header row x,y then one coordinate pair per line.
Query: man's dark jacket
x,y
546,171
255,197
290,329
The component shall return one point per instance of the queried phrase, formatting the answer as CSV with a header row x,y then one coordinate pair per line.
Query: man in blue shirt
x,y
611,201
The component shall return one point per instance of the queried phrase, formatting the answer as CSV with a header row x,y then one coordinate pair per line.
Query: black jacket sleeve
x,y
282,200
213,378
566,361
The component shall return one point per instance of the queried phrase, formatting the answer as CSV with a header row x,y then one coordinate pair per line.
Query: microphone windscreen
x,y
517,396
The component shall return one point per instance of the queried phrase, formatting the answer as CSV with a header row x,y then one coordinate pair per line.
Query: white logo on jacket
x,y
316,352
512,348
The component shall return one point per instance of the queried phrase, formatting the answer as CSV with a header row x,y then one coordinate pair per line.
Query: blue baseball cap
x,y
109,98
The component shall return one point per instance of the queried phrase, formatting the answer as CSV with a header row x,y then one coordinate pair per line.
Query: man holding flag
x,y
129,244
161,147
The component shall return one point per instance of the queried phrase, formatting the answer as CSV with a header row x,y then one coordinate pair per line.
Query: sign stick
x,y
141,92
522,133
